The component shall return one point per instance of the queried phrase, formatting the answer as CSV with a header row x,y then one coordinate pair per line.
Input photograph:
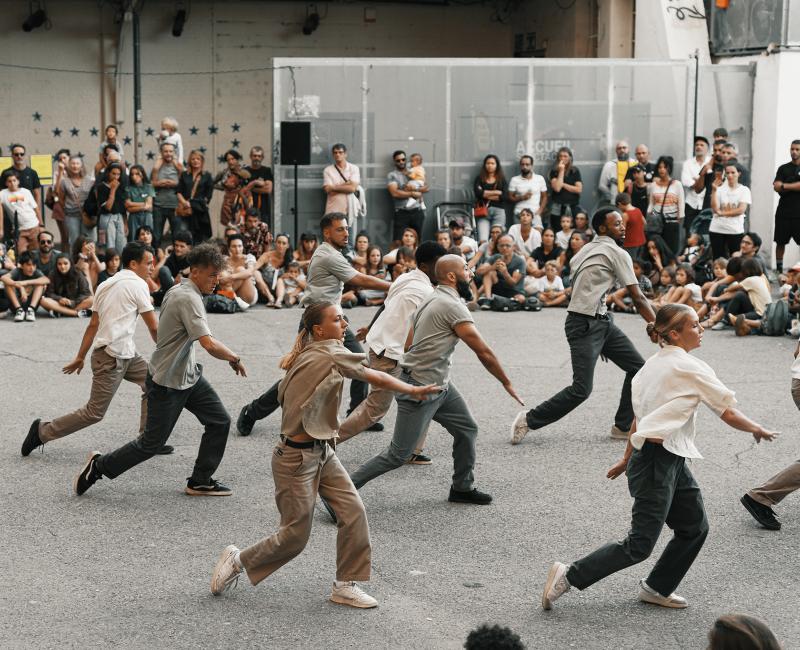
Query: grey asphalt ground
x,y
128,564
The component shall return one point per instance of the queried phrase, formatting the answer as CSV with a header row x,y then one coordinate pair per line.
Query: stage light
x,y
311,23
177,24
36,19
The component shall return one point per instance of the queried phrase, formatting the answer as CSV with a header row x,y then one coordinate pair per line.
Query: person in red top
x,y
634,225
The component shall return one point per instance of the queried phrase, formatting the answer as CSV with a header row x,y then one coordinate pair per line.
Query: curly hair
x,y
206,255
493,637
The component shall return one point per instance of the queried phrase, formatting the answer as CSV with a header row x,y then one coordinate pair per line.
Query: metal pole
x,y
137,90
296,209
696,84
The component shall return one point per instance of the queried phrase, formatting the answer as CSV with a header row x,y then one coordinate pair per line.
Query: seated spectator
x,y
487,248
358,258
714,295
46,255
406,261
72,192
176,263
549,288
256,235
748,296
228,232
22,211
582,222
237,281
68,293
563,235
750,246
144,234
694,249
577,241
659,256
503,274
85,260
684,291
792,290
548,250
467,245
139,201
408,239
633,220
305,249
113,263
444,240
24,288
375,268
666,282
741,632
270,266
291,286
526,237
620,300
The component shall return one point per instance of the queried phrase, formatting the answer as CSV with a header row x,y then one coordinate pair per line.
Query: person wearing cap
x,y
694,170
598,267
468,246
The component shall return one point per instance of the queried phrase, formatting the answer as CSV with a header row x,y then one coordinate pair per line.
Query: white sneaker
x,y
243,304
556,586
519,428
619,434
349,593
226,571
30,315
649,595
19,315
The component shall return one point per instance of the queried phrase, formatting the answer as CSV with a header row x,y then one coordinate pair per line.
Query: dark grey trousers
x,y
164,406
589,338
664,492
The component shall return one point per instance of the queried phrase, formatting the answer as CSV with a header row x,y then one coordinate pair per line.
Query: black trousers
x,y
740,304
589,338
664,492
672,236
689,213
723,245
267,402
403,219
164,406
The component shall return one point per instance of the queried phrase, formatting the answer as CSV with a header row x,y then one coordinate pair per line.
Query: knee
x,y
640,547
398,456
296,538
581,389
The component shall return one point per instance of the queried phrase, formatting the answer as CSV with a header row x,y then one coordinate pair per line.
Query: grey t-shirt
x,y
327,273
516,264
167,197
428,360
182,321
399,178
595,270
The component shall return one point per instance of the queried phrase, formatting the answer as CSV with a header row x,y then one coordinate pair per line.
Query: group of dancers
x,y
410,343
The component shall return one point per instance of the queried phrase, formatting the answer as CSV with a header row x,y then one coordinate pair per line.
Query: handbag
x,y
90,211
654,221
186,210
481,209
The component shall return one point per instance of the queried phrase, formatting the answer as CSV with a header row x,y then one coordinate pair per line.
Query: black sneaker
x,y
419,459
473,496
244,423
328,509
375,426
32,440
211,488
88,475
165,450
764,515
485,303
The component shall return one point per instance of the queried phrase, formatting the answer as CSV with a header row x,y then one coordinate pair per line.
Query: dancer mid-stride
x,y
666,392
304,462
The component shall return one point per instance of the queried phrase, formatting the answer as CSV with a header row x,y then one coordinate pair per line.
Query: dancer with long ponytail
x,y
304,462
666,394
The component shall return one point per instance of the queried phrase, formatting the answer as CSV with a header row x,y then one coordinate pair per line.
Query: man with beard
x,y
642,160
598,267
440,323
528,190
397,184
787,216
712,170
612,176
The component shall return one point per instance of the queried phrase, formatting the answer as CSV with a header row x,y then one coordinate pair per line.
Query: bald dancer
x,y
441,321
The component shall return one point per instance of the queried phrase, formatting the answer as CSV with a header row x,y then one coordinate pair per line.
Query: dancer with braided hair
x,y
304,461
666,394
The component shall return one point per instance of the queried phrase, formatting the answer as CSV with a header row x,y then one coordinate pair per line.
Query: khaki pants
x,y
787,480
300,474
377,404
108,373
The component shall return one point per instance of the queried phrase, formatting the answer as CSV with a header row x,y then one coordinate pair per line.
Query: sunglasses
x,y
18,155
399,159
45,241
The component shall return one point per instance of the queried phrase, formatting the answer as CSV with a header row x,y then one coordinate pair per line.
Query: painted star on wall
x,y
150,155
74,131
235,143
220,159
235,127
94,132
149,131
79,154
37,116
212,130
202,149
193,130
56,132
127,140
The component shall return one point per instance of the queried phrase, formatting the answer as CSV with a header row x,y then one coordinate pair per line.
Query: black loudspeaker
x,y
295,143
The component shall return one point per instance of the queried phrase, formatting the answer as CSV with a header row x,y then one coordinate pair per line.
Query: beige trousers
x,y
107,374
377,403
299,475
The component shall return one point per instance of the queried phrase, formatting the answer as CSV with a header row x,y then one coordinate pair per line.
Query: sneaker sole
x,y
617,436
551,578
469,501
226,553
343,601
419,462
757,517
92,454
204,493
650,600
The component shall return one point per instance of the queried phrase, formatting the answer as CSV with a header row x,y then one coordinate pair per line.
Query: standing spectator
x,y
110,157
693,176
68,293
169,135
730,154
642,160
528,191
305,249
260,185
112,138
165,181
405,215
633,220
565,187
665,197
52,199
111,201
256,235
231,181
490,190
638,189
526,237
720,134
194,191
28,179
729,201
614,172
139,201
20,206
24,288
46,257
339,180
787,216
72,192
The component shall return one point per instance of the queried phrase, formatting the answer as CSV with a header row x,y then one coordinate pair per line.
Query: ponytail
x,y
312,316
670,317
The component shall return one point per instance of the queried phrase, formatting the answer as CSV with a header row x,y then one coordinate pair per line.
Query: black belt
x,y
302,445
592,316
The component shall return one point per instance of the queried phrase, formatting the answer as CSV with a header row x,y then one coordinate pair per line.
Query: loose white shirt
x,y
521,185
689,174
118,303
666,393
525,246
730,197
389,332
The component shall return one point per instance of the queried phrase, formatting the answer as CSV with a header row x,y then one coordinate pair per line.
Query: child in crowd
x,y
24,287
563,235
416,179
666,281
619,300
718,268
68,293
112,265
291,286
694,249
444,239
169,135
684,291
550,288
404,262
375,268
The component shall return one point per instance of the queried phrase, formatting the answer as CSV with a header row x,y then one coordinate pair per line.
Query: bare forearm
x,y
219,350
735,418
492,364
387,382
364,281
86,342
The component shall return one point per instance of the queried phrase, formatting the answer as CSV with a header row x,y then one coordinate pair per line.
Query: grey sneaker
x,y
716,327
556,586
649,595
352,595
519,428
619,434
226,571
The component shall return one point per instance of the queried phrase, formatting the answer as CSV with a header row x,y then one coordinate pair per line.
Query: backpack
x,y
219,304
501,303
775,319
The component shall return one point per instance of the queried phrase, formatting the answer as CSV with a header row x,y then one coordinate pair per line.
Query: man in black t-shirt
x,y
260,185
45,257
28,179
787,216
642,160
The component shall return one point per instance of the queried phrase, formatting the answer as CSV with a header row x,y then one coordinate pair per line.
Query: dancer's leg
x,y
619,349
378,400
454,415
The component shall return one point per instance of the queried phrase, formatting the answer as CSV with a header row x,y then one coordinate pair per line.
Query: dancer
x,y
117,304
439,323
327,274
304,461
175,382
667,392
386,336
591,333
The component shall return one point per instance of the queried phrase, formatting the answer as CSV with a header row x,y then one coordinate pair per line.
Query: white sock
x,y
341,583
237,561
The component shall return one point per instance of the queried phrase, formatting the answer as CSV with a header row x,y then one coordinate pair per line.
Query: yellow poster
x,y
5,163
42,164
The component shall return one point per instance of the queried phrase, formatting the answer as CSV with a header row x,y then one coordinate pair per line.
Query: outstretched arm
x,y
468,333
387,382
738,420
219,350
